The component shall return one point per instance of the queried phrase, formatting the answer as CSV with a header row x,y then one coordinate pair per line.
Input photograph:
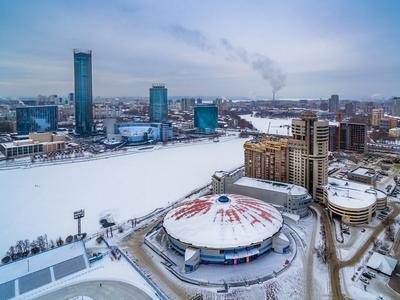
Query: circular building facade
x,y
226,229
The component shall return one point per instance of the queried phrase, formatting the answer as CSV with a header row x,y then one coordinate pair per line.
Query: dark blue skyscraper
x,y
39,118
206,118
158,110
83,91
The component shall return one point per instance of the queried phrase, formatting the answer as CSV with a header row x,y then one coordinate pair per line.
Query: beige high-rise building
x,y
377,115
267,158
308,154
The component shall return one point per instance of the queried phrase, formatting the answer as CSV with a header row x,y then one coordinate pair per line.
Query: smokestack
x,y
273,96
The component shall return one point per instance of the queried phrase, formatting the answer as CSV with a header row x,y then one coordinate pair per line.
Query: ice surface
x,y
42,199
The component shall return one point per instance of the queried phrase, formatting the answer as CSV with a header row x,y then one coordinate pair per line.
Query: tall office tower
x,y
83,92
308,154
206,118
396,106
377,115
353,135
267,158
333,104
41,118
158,110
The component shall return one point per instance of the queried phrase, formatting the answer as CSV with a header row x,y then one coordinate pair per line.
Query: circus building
x,y
224,229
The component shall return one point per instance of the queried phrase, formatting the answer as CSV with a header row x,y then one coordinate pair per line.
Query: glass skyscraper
x,y
158,110
83,91
40,118
206,118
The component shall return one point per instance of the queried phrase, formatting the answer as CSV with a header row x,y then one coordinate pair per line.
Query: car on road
x,y
373,275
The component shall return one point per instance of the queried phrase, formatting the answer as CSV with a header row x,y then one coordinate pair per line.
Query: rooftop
x,y
382,263
364,171
223,221
352,195
272,186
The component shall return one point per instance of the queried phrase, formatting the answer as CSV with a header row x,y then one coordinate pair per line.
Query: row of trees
x,y
24,248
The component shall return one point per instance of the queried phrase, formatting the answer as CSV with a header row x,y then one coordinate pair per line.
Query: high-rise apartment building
x,y
158,110
41,118
396,106
83,92
308,154
333,104
353,135
377,115
187,104
350,109
267,158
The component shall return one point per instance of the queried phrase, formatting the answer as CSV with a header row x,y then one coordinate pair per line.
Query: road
x,y
334,263
331,248
135,247
310,259
108,290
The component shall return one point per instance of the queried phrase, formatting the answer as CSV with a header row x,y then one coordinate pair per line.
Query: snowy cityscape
x,y
232,169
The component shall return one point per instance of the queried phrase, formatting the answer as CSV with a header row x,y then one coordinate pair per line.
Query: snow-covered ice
x,y
42,199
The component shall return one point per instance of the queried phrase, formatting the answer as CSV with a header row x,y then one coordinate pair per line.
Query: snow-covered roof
x,y
363,171
341,183
272,186
223,222
347,194
40,261
382,263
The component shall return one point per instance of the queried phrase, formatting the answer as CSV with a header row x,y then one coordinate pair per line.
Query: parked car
x,y
373,275
366,275
365,280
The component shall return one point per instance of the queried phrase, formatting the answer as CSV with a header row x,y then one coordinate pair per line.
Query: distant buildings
x,y
377,115
206,118
144,132
353,136
350,109
387,123
36,118
333,104
37,143
158,110
83,92
267,158
396,106
308,154
187,104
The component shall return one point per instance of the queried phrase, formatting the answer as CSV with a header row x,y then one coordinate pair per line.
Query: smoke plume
x,y
263,65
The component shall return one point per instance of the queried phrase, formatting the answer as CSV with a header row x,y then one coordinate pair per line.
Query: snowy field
x,y
41,200
275,127
278,125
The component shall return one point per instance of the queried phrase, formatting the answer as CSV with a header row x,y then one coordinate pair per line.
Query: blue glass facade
x,y
158,110
37,118
83,92
206,118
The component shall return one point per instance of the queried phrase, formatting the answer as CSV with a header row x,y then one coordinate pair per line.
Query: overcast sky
x,y
218,48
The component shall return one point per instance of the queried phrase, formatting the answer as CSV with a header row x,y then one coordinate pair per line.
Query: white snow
x,y
206,222
382,263
281,187
42,199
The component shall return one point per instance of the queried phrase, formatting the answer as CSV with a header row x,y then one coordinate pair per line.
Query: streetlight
x,y
78,215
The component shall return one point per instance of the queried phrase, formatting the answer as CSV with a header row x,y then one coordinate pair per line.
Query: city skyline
x,y
312,49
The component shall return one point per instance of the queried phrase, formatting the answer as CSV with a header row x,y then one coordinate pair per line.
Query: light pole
x,y
78,215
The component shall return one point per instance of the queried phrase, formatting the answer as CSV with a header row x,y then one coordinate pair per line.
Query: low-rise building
x,y
36,144
353,203
287,197
363,175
